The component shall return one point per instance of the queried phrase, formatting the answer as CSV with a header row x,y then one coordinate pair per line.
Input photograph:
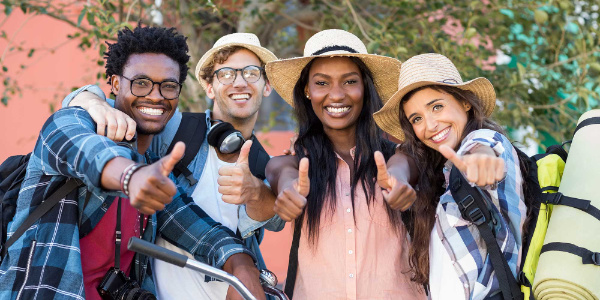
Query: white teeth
x,y
440,135
240,96
337,109
151,111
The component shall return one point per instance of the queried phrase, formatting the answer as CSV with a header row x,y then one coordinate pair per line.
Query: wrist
x,y
238,262
126,176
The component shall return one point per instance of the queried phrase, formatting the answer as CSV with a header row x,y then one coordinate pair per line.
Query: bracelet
x,y
126,177
125,171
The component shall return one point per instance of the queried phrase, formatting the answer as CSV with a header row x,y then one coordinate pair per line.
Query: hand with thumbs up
x,y
481,167
292,198
397,192
150,187
236,183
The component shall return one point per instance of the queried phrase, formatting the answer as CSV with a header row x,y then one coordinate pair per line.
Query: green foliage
x,y
541,56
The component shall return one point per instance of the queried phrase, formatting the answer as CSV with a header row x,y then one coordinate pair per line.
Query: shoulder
x,y
69,116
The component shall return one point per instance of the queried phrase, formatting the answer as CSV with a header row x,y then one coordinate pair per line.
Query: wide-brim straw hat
x,y
246,40
430,69
284,73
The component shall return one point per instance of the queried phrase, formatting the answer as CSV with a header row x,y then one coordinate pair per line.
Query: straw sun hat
x,y
283,74
430,69
247,40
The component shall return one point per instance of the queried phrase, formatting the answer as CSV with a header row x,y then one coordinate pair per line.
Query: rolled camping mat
x,y
562,275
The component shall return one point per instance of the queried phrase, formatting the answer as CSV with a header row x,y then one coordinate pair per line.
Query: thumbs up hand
x,y
291,200
482,167
398,193
236,183
150,187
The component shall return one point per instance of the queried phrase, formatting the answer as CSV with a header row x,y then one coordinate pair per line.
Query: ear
x,y
306,92
267,89
115,81
467,106
210,91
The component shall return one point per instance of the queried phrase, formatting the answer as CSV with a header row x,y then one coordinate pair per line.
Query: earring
x,y
307,96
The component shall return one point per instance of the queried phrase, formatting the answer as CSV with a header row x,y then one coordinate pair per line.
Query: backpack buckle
x,y
554,198
477,216
596,258
474,215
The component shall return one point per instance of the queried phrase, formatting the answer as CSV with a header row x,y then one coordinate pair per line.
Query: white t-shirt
x,y
443,279
173,282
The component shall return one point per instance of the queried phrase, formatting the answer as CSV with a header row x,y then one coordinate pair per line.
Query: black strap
x,y
587,256
118,236
586,122
290,281
258,159
473,207
41,210
581,204
192,132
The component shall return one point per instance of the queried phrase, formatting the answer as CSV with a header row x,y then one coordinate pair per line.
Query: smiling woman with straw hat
x,y
436,116
349,239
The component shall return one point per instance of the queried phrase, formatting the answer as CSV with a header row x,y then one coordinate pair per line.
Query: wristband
x,y
126,177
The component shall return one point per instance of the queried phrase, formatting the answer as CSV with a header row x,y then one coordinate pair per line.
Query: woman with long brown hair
x,y
443,121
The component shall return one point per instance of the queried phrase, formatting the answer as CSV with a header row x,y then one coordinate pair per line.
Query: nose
x,y
336,92
431,123
155,92
239,80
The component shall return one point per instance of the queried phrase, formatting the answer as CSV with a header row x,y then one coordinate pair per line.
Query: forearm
x,y
261,208
86,99
111,174
281,171
186,225
90,89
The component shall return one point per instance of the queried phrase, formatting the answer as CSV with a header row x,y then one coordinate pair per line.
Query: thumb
x,y
303,186
383,176
168,162
449,154
244,152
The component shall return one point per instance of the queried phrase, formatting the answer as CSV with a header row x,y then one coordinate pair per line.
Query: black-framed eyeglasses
x,y
228,75
142,87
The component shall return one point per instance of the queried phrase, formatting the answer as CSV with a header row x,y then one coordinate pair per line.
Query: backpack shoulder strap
x,y
473,207
290,281
192,132
41,210
258,159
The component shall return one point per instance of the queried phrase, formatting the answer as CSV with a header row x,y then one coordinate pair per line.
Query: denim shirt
x,y
252,231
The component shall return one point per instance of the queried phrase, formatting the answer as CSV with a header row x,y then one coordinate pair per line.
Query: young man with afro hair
x,y
126,189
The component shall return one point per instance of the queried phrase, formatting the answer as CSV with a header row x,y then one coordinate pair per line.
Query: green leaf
x,y
80,18
469,33
5,100
7,10
4,68
30,54
507,12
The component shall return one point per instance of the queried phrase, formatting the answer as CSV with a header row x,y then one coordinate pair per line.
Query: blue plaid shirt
x,y
461,238
45,263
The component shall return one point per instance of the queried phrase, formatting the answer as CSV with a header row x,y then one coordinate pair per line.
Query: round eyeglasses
x,y
142,87
228,75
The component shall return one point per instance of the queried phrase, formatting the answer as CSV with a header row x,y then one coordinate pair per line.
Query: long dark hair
x,y
312,142
421,217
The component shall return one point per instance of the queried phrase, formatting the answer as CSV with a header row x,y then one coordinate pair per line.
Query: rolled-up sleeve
x,y
92,88
187,226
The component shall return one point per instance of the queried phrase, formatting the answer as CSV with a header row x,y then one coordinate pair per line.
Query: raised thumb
x,y
168,162
303,186
244,152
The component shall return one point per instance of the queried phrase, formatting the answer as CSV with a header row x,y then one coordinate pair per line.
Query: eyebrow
x,y
343,76
428,104
144,76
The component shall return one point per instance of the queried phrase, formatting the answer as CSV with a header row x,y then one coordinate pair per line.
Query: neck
x,y
143,142
245,126
342,140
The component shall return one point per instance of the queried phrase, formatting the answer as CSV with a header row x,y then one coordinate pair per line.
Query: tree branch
x,y
582,55
357,20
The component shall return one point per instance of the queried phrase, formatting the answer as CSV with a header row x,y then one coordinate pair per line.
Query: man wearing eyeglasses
x,y
232,74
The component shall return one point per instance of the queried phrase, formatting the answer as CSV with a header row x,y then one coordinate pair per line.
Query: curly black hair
x,y
146,40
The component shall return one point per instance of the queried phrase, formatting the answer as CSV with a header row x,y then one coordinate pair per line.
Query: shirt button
x,y
349,230
348,210
351,275
350,252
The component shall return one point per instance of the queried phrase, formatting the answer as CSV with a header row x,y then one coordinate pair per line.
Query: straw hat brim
x,y
283,74
388,116
263,54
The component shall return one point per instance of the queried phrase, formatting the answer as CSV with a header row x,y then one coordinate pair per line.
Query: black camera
x,y
117,286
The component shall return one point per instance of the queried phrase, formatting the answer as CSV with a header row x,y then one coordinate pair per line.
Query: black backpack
x,y
192,131
12,173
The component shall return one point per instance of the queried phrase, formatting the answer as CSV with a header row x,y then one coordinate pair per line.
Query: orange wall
x,y
49,77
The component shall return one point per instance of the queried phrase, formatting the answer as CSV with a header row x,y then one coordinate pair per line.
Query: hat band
x,y
334,48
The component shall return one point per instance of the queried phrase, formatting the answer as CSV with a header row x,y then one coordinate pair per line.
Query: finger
x,y
232,199
449,154
229,190
472,173
121,129
227,170
303,186
168,162
225,181
111,126
383,176
131,126
244,152
100,126
287,152
500,170
491,172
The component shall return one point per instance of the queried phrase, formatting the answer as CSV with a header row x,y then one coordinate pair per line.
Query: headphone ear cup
x,y
217,133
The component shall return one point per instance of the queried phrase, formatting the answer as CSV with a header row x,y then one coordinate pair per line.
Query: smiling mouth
x,y
240,97
151,111
440,136
337,110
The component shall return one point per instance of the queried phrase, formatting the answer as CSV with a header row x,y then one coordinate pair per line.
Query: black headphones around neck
x,y
224,137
